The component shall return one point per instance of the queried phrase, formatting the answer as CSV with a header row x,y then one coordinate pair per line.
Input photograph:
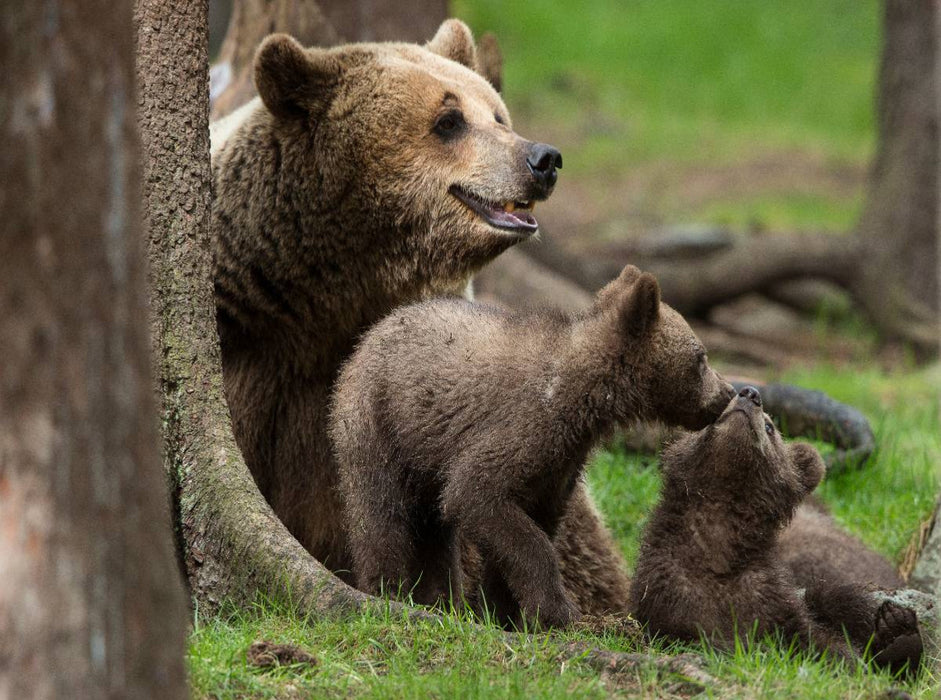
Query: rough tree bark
x,y
231,543
91,602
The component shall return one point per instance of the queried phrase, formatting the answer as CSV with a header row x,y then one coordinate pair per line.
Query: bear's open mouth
x,y
514,216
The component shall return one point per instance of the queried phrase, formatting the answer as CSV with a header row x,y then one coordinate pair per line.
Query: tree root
x,y
760,263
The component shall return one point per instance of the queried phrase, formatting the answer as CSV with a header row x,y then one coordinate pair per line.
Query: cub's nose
x,y
751,394
544,161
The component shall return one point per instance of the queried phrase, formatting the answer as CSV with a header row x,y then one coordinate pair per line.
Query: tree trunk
x,y
898,280
231,543
382,20
91,602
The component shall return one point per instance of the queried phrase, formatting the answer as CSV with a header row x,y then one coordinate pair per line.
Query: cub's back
x,y
442,373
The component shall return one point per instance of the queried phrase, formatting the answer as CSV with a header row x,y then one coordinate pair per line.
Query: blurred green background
x,y
747,114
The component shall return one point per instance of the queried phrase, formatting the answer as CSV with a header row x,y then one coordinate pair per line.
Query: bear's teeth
x,y
509,206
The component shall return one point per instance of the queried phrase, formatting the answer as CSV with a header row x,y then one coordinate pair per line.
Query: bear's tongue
x,y
506,216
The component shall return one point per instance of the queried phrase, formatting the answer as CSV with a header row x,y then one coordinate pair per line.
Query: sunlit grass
x,y
383,655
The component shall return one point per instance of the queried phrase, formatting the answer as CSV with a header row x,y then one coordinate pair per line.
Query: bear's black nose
x,y
751,393
543,161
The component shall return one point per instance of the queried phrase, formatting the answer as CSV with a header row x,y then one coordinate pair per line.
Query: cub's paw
x,y
896,640
554,612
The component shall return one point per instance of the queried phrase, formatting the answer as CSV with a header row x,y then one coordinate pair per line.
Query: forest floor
x,y
752,117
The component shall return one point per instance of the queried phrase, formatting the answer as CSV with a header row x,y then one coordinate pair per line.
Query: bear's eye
x,y
449,124
498,118
769,428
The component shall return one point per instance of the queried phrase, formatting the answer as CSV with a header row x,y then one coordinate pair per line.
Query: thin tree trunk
x,y
91,601
898,277
382,20
231,543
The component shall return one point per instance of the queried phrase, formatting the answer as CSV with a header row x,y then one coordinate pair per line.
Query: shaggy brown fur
x,y
712,560
839,574
454,419
709,562
354,184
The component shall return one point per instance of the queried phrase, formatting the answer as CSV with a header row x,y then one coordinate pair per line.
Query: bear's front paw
x,y
557,611
896,640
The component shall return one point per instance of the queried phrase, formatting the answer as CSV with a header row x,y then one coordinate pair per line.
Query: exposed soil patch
x,y
268,655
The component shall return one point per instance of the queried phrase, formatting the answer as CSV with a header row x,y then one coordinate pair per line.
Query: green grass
x,y
780,210
383,655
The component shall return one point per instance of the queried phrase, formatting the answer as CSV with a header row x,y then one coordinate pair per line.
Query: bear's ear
x,y
291,80
629,274
640,306
809,464
454,40
616,288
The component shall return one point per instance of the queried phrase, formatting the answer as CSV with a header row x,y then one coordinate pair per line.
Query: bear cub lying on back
x,y
711,560
455,420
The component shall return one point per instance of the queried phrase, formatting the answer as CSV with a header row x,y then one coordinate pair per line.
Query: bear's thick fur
x,y
366,176
455,420
711,560
361,179
839,574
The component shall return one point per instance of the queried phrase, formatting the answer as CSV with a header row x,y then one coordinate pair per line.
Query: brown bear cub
x,y
711,563
842,578
454,419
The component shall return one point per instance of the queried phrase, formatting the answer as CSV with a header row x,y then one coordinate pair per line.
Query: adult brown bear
x,y
364,177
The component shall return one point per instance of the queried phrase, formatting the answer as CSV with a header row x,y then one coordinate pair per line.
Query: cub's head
x,y
663,363
741,458
400,136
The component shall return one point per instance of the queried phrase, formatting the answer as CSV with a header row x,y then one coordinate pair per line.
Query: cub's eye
x,y
498,118
769,427
449,124
701,360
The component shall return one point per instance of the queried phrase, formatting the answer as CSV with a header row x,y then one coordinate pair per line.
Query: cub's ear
x,y
629,274
454,40
809,464
490,60
640,306
616,288
292,81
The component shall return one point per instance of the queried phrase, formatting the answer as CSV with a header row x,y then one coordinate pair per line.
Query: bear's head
x,y
390,138
662,364
742,459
